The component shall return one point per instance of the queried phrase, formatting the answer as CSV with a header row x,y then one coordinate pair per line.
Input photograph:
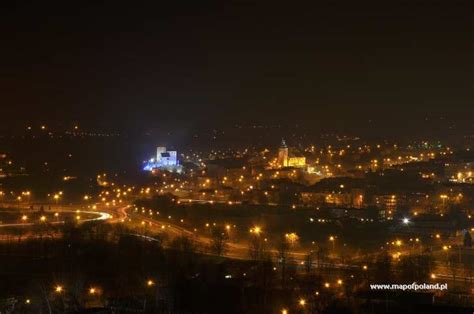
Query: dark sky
x,y
325,62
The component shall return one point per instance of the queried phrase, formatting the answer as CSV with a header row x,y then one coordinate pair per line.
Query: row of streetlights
x,y
302,301
95,290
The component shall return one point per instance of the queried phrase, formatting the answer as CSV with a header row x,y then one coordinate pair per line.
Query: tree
x,y
452,266
282,248
257,248
262,198
467,239
183,244
219,240
383,267
308,262
414,268
321,256
468,265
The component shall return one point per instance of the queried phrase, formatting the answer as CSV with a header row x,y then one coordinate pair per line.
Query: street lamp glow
x,y
58,289
150,283
292,237
406,221
302,302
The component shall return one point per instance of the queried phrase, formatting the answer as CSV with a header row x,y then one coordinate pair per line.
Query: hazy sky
x,y
331,61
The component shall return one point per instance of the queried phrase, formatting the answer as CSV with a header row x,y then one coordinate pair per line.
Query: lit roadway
x,y
99,215
233,250
119,214
241,251
69,209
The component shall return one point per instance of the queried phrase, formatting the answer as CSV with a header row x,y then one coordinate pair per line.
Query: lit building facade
x,y
282,159
165,160
286,158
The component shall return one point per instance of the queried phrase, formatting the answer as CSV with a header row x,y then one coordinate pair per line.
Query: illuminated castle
x,y
165,160
287,159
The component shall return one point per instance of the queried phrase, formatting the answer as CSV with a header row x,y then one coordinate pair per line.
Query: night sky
x,y
330,62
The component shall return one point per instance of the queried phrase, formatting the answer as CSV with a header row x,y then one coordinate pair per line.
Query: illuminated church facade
x,y
287,158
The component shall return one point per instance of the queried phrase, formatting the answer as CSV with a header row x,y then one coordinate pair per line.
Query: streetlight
x,y
58,289
446,249
257,230
27,194
292,238
57,197
150,283
302,302
332,239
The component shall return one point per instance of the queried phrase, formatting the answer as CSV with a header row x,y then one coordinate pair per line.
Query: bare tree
x,y
283,248
467,240
452,266
308,262
219,240
257,248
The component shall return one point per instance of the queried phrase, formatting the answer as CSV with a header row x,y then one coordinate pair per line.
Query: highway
x,y
100,216
122,214
233,250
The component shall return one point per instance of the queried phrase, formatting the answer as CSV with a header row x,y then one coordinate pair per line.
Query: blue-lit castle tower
x,y
165,160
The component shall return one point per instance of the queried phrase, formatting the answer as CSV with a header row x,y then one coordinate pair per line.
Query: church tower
x,y
283,155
